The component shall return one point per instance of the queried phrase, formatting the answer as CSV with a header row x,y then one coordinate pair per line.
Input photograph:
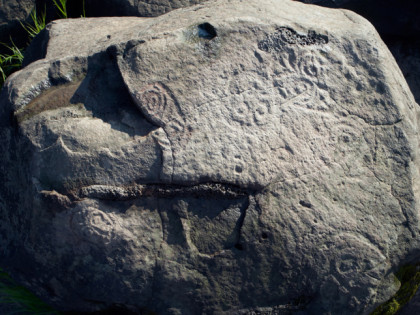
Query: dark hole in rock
x,y
264,235
207,31
239,246
305,204
259,57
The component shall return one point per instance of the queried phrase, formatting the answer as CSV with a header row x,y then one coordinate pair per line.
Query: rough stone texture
x,y
135,7
12,10
232,157
398,24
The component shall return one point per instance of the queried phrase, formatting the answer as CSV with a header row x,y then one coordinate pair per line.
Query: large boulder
x,y
229,157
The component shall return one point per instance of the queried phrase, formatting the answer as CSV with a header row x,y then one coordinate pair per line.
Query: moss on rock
x,y
409,277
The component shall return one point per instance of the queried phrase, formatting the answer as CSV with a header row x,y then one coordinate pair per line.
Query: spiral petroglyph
x,y
158,104
94,225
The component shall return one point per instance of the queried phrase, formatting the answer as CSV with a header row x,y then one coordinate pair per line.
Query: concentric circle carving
x,y
158,104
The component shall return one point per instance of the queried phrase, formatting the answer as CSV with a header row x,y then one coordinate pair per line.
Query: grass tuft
x,y
10,63
61,6
37,25
21,299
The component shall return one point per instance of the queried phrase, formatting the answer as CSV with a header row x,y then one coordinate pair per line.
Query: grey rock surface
x,y
12,10
231,157
398,24
144,8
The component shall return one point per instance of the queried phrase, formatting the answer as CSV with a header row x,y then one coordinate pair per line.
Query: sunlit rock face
x,y
135,7
399,26
224,158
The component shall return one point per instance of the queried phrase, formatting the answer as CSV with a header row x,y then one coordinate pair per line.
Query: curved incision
x,y
159,105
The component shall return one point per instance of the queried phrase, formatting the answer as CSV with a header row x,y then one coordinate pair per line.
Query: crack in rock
x,y
207,190
240,224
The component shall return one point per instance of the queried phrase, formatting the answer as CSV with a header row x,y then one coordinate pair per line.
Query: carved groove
x,y
209,190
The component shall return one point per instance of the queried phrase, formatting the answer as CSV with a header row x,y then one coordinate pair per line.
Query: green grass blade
x,y
61,6
37,25
11,62
83,8
3,76
21,298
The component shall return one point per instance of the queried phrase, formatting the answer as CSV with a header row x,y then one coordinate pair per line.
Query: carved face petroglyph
x,y
200,170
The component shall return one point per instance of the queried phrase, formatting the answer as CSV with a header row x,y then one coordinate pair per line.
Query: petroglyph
x,y
94,225
160,106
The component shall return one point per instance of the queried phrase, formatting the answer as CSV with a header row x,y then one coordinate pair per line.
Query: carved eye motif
x,y
159,105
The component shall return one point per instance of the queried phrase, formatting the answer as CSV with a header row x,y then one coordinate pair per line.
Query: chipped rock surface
x,y
231,157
